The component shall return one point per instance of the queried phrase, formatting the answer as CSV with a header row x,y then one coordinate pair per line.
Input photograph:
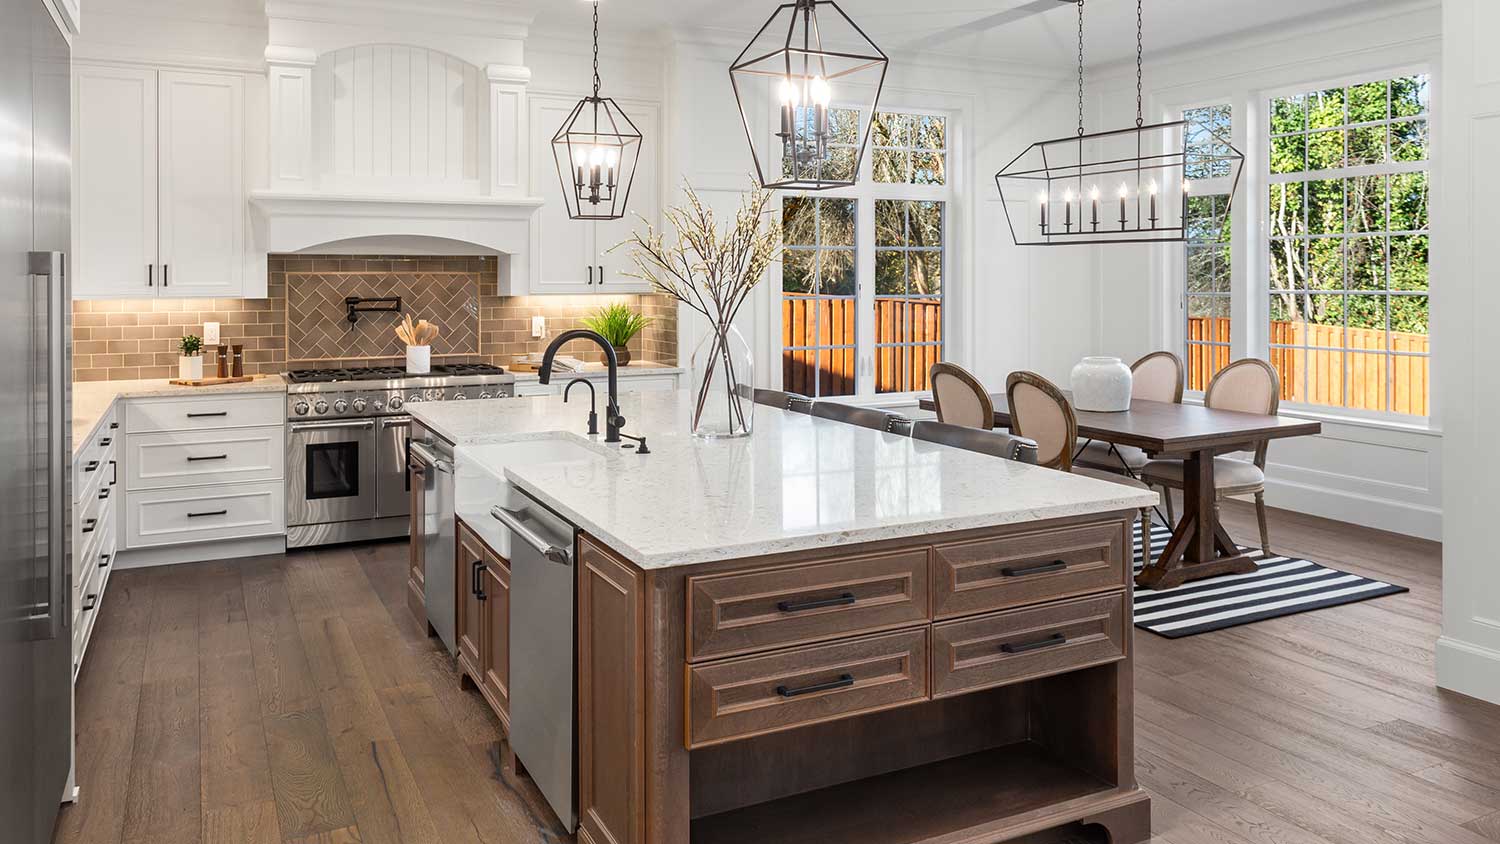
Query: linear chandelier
x,y
1128,185
596,152
784,84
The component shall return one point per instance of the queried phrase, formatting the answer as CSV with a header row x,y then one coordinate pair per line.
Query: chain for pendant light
x,y
1080,68
1139,61
596,49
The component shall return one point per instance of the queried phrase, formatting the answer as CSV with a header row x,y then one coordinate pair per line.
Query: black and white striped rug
x,y
1283,586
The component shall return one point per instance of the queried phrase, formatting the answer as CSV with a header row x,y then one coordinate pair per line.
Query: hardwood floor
x,y
292,699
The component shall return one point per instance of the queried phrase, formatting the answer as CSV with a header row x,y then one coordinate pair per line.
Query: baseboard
x,y
199,552
1341,505
1468,669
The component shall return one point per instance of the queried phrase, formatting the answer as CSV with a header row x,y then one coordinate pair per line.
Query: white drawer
x,y
197,414
198,514
89,517
95,464
190,458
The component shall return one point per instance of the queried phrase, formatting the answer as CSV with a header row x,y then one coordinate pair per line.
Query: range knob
x,y
485,396
321,407
340,406
359,405
300,408
415,398
460,396
396,403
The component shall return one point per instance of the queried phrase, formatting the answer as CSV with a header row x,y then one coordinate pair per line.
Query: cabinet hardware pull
x,y
591,273
601,273
202,415
842,600
474,578
150,275
93,601
114,425
208,513
843,681
105,558
163,275
1050,642
104,443
114,473
208,457
1044,568
91,466
89,525
103,493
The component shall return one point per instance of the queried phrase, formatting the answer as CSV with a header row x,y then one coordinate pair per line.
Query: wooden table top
x,y
1165,428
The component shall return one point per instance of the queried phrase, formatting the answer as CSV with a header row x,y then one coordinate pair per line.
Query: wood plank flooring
x,y
284,700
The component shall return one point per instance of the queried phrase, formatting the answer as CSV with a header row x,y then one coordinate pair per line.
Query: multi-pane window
x,y
818,296
910,149
908,293
1348,245
1207,293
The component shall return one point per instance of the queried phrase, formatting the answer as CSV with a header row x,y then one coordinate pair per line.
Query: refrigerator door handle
x,y
51,619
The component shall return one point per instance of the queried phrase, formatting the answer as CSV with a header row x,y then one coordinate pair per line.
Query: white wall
x,y
1468,655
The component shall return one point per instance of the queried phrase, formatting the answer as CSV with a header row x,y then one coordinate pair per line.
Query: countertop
x,y
798,483
634,369
92,398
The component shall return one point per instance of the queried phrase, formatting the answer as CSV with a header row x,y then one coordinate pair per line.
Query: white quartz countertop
x,y
635,369
798,483
91,399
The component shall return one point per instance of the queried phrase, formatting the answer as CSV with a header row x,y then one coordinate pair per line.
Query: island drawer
x,y
1028,567
739,698
731,614
1017,645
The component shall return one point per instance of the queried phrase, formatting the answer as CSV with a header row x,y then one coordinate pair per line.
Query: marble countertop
x,y
634,369
798,483
91,399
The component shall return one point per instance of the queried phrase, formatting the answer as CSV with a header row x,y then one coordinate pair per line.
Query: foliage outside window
x,y
818,296
1348,245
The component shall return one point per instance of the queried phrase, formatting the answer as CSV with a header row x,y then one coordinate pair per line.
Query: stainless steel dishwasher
x,y
542,648
434,527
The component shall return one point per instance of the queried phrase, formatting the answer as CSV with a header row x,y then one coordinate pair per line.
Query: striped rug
x,y
1283,586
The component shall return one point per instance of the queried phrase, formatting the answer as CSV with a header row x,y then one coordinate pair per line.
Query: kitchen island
x,y
825,633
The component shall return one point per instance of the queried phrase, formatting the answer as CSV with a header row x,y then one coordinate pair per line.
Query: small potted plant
x,y
190,364
618,324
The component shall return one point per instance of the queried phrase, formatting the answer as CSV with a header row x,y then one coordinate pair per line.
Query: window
x,y
863,271
1207,293
1347,245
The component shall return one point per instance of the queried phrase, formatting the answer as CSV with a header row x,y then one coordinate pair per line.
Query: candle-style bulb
x,y
1124,191
820,92
1152,187
790,95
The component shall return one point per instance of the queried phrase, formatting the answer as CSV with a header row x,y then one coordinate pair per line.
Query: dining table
x,y
1200,546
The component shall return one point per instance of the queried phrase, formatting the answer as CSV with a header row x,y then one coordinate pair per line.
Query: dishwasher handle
x,y
514,519
425,454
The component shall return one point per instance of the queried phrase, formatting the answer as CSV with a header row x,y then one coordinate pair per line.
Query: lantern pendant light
x,y
596,152
1147,168
796,64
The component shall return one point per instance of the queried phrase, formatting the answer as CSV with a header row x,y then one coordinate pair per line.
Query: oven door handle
x,y
394,421
426,455
298,427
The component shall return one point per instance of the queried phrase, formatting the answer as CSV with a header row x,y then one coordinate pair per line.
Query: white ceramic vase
x,y
419,359
1101,384
189,368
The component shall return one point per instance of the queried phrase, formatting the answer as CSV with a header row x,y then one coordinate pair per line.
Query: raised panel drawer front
x,y
187,458
222,411
1016,645
744,612
198,514
92,462
738,698
1027,568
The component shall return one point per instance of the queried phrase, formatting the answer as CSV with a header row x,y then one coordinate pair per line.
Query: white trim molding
x,y
1468,669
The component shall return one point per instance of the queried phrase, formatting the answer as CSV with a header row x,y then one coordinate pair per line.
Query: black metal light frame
x,y
596,189
806,46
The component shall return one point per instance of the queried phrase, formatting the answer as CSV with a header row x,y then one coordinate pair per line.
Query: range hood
x,y
371,223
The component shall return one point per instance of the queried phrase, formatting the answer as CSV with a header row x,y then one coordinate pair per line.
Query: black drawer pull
x,y
1044,568
201,415
114,425
209,513
476,578
103,493
209,457
114,473
1050,642
89,525
105,561
842,600
843,681
92,601
104,443
91,466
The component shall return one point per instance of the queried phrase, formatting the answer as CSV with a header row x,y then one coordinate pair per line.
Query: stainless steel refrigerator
x,y
36,613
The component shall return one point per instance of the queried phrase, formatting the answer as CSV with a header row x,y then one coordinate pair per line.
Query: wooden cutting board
x,y
211,382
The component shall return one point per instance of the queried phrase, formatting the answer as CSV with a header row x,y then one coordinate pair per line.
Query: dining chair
x,y
776,398
994,443
959,397
1155,377
864,417
1249,385
1040,412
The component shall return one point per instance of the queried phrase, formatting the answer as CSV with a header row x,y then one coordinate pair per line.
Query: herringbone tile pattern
x,y
317,318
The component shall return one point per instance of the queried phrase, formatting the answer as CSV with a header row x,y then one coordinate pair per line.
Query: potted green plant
x,y
618,324
190,364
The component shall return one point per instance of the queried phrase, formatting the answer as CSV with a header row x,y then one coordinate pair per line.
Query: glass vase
x,y
723,385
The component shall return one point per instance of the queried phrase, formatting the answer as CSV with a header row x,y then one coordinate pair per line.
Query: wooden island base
x,y
962,688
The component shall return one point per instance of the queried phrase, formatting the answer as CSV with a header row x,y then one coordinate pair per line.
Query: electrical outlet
x,y
210,334
538,326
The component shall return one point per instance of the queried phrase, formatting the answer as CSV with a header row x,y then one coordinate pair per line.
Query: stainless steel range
x,y
347,443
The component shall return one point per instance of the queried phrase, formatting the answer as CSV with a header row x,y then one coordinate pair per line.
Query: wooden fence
x,y
830,321
1371,375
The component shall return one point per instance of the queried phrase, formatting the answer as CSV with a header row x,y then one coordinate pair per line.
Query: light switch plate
x,y
210,334
538,326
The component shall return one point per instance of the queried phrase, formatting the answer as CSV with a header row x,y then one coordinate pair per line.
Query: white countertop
x,y
797,483
91,399
635,369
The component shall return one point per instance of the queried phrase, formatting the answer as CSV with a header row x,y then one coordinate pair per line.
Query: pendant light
x,y
1128,185
596,152
807,86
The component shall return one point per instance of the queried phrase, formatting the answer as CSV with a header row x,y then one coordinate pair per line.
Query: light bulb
x,y
611,157
1124,191
1187,187
790,95
596,156
1152,187
1041,197
1068,195
580,156
820,92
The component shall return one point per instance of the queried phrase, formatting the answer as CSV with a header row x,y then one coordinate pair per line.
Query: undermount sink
x,y
481,482
497,456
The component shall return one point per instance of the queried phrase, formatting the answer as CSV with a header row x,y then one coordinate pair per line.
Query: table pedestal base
x,y
1200,547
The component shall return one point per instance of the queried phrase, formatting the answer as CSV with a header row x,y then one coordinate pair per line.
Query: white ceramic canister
x,y
418,359
190,368
1101,384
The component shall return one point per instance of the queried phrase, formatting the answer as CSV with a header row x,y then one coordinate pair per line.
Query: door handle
x,y
478,581
150,275
591,273
601,273
428,457
163,275
332,424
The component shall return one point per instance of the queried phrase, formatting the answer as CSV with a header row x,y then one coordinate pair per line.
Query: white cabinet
x,y
159,180
574,255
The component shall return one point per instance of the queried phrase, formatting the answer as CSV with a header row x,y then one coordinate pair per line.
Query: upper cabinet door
x,y
644,204
115,182
566,262
202,154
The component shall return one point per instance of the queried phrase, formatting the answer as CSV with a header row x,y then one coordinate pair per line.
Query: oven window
x,y
332,470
